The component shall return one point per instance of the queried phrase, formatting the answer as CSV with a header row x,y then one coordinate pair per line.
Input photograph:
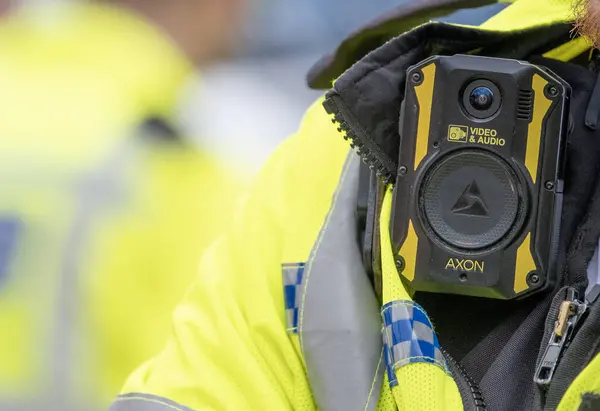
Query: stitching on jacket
x,y
407,360
374,381
406,304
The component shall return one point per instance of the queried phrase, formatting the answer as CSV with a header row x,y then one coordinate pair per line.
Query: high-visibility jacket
x,y
283,316
104,208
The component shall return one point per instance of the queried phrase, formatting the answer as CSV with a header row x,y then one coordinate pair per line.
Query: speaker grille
x,y
471,200
525,105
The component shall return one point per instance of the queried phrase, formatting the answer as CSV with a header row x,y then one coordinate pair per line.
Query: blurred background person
x,y
6,6
104,207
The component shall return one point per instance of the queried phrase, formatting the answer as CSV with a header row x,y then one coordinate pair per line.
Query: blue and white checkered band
x,y
408,337
292,279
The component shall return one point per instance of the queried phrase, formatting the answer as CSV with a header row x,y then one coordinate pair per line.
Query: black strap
x,y
370,196
365,229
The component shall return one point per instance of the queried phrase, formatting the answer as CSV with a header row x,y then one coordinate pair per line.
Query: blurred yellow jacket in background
x,y
102,221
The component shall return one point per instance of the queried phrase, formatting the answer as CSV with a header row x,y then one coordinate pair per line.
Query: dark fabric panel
x,y
508,384
585,242
590,402
478,361
464,323
592,115
581,207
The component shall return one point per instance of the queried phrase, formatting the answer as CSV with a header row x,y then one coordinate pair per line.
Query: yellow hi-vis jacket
x,y
103,216
282,315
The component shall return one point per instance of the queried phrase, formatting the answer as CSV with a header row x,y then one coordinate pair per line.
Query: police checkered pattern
x,y
292,279
408,337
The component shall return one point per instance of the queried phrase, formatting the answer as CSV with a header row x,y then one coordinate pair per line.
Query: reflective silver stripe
x,y
93,194
339,319
145,402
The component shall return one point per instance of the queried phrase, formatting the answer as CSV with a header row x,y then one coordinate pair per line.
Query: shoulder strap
x,y
368,208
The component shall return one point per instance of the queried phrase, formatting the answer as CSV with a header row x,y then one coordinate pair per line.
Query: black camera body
x,y
478,196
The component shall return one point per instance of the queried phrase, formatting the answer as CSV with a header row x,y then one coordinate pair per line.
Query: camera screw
x,y
416,77
462,277
533,278
400,264
549,185
552,91
436,144
402,170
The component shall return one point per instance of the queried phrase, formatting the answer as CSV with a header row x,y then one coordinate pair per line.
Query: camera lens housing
x,y
481,99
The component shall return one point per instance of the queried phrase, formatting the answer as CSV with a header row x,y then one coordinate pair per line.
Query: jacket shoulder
x,y
309,166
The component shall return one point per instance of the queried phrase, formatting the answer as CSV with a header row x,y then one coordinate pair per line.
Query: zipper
x,y
570,313
469,390
359,140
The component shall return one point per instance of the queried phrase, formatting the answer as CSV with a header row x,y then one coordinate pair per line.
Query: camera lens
x,y
481,98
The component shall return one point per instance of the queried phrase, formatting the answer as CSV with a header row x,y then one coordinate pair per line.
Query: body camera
x,y
477,202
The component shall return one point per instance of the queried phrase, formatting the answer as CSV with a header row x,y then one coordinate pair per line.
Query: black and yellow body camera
x,y
478,195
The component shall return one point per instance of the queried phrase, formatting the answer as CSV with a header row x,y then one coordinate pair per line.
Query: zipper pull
x,y
571,311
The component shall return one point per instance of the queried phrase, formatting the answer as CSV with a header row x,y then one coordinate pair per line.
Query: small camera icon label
x,y
458,134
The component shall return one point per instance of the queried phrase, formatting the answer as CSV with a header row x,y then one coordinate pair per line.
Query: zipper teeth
x,y
356,142
475,391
